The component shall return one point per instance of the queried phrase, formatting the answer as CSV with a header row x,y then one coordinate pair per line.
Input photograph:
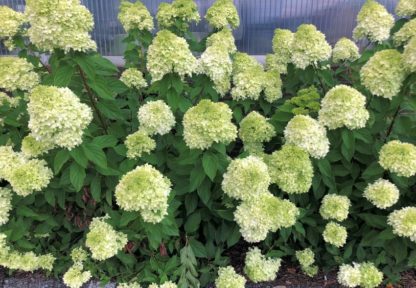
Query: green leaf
x,y
192,223
26,211
78,155
373,171
127,217
348,144
77,176
234,237
198,248
196,178
101,89
96,188
60,159
209,162
373,220
105,141
95,154
63,75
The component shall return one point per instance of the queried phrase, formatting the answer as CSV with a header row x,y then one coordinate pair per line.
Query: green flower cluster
x,y
169,53
17,74
406,8
403,222
291,169
34,148
135,16
133,78
335,207
131,285
139,143
307,133
373,22
24,175
27,261
382,193
335,234
306,260
179,11
254,131
365,275
309,47
228,278
57,117
345,50
259,268
103,241
246,179
208,123
343,106
222,14
60,24
282,51
399,158
306,101
144,190
272,86
156,117
384,73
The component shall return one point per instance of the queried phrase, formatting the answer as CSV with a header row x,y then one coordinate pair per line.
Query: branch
x,y
92,99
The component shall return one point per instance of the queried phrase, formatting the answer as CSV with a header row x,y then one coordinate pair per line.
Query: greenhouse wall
x,y
259,18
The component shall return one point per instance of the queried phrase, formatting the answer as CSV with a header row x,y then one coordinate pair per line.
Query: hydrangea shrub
x,y
152,174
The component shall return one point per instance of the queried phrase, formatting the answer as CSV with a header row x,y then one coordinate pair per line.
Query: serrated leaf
x,y
192,223
60,159
95,154
209,162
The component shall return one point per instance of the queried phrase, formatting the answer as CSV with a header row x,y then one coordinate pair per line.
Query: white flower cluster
x,y
382,193
263,214
222,14
27,261
156,117
24,175
246,179
57,116
133,78
259,268
144,190
103,241
403,222
409,55
254,131
169,53
345,50
34,148
384,73
291,169
309,47
306,260
178,12
75,277
282,51
365,275
335,207
139,143
208,123
335,234
407,32
135,16
17,74
406,8
399,158
373,22
308,134
5,204
228,278
216,61
343,106
60,24
168,284
10,24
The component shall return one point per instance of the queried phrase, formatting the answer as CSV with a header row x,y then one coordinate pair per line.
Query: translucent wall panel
x,y
259,18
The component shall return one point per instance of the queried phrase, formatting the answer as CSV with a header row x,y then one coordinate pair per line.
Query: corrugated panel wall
x,y
259,18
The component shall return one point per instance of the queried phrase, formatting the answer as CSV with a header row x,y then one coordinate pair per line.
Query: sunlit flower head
x,y
335,234
406,8
382,193
133,78
17,74
178,12
223,13
260,268
335,207
156,117
403,222
345,50
135,16
398,157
